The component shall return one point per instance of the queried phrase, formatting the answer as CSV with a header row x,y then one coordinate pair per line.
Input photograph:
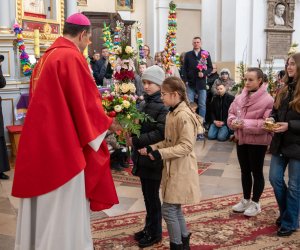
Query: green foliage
x,y
238,87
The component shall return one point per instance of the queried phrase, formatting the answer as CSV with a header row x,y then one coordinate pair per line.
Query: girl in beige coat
x,y
180,181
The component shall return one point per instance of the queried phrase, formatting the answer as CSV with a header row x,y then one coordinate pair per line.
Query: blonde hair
x,y
295,103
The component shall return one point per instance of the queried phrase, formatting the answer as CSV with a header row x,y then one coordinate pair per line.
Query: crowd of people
x,y
180,102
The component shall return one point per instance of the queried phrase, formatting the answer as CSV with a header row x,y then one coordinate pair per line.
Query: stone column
x,y
71,8
5,18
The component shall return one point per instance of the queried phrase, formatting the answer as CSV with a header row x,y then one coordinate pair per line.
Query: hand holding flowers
x,y
202,63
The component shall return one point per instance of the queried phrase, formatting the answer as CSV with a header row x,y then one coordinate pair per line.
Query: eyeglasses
x,y
165,93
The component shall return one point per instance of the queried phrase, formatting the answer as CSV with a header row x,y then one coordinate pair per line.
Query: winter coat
x,y
151,132
180,180
255,108
287,143
220,106
190,71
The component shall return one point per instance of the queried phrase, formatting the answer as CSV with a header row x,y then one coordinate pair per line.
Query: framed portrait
x,y
45,15
82,2
125,5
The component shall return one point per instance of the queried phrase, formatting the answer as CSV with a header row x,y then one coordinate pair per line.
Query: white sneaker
x,y
241,206
253,209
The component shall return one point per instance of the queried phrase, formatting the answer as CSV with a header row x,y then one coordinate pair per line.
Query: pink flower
x,y
202,63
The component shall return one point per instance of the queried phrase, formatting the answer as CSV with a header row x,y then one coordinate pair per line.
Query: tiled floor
x,y
222,178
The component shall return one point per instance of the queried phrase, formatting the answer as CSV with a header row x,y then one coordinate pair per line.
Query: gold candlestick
x,y
37,43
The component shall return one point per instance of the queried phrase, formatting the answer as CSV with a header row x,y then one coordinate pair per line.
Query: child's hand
x,y
151,156
143,151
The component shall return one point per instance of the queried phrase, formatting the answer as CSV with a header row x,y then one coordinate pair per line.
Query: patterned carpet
x,y
212,223
126,177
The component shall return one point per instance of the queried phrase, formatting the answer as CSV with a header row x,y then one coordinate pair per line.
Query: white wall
x,y
296,34
210,34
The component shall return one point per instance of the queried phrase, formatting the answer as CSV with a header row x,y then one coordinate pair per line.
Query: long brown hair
x,y
295,103
175,84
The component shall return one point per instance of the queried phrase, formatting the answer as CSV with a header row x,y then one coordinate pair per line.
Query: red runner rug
x,y
213,226
126,177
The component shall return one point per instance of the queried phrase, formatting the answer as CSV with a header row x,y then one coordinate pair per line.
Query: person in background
x,y
106,70
4,162
226,79
181,62
118,153
210,81
149,59
138,82
285,148
219,112
180,180
247,114
158,59
96,67
279,81
200,132
150,171
62,167
194,78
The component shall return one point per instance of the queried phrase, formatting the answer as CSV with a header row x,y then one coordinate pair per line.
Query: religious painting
x,y
82,2
127,5
45,15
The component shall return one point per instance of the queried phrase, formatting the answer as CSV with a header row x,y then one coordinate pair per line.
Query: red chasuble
x,y
65,113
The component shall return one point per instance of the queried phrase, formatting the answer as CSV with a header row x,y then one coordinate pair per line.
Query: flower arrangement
x,y
140,43
170,47
27,67
202,63
120,102
107,37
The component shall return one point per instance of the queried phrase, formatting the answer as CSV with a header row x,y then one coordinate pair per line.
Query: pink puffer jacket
x,y
254,109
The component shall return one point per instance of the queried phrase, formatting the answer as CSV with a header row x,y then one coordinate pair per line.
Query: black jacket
x,y
190,71
287,143
151,132
220,106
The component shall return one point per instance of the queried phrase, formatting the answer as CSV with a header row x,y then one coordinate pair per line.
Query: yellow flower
x,y
126,104
128,49
124,88
118,108
131,87
128,116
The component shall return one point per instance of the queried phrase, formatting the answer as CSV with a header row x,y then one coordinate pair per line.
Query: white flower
x,y
124,88
128,49
131,87
118,108
126,104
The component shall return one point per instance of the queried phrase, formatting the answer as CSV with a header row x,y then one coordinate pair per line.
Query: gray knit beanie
x,y
154,74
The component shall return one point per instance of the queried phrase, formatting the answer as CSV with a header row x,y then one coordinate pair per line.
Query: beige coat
x,y
180,180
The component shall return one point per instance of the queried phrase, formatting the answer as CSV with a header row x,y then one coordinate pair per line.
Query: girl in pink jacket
x,y
246,117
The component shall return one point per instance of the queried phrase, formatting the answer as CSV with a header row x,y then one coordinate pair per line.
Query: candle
x,y
37,43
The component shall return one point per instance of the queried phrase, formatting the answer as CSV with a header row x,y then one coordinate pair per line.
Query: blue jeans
x,y
175,221
287,195
221,134
201,99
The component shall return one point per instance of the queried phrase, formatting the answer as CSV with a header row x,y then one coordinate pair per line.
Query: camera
x,y
1,58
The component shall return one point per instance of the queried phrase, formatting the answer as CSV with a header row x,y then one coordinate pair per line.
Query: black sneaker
x,y
149,240
282,232
139,235
4,176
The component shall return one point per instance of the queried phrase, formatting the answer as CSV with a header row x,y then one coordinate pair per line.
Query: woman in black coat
x,y
4,163
285,149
